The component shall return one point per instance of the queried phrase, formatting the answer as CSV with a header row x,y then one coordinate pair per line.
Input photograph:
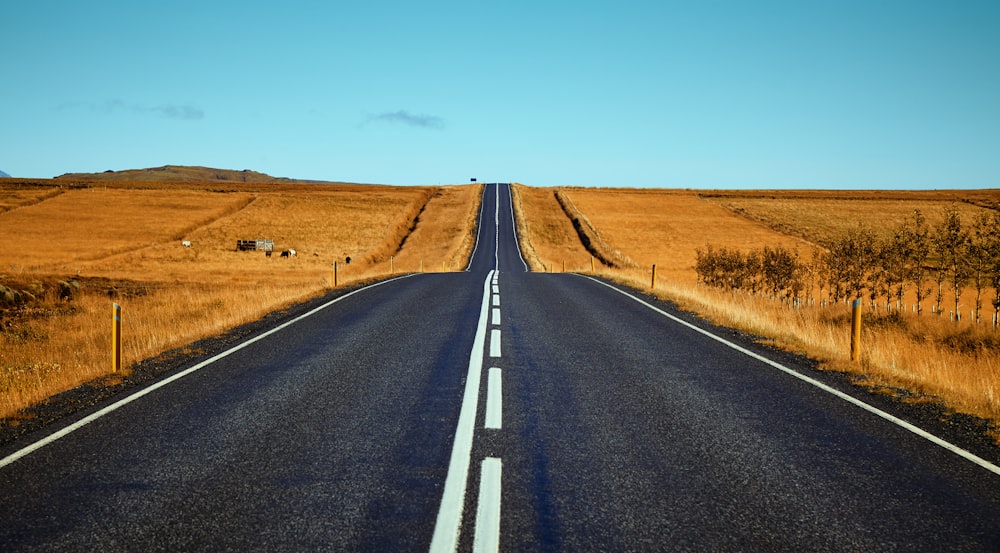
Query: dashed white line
x,y
496,316
496,300
496,289
487,537
449,518
494,399
495,342
496,234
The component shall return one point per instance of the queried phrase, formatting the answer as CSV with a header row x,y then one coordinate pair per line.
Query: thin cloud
x,y
170,111
404,117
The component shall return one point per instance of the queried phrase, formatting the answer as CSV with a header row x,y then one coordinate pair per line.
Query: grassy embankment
x,y
73,250
926,358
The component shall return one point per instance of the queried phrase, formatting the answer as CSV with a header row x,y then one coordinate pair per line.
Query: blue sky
x,y
708,94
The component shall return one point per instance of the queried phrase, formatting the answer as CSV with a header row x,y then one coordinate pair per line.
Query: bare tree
x,y
917,235
894,255
852,260
951,242
980,255
820,271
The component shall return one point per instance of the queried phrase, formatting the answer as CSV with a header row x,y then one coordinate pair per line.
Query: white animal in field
x,y
186,243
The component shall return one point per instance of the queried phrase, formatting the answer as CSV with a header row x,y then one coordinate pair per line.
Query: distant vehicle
x,y
473,179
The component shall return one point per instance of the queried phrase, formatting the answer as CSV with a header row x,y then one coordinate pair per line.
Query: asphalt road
x,y
489,409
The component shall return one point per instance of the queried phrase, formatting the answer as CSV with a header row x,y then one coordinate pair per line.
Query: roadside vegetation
x,y
77,247
785,266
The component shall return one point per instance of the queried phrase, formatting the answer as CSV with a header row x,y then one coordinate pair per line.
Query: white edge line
x,y
846,397
487,536
159,384
517,244
449,517
494,399
479,228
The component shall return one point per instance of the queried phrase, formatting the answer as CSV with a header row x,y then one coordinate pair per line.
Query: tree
x,y
779,269
917,235
952,242
980,254
752,271
851,261
993,247
894,255
815,274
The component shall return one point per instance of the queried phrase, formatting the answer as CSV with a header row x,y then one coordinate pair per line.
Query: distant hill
x,y
4,175
179,173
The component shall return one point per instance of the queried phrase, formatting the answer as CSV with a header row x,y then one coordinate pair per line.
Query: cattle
x,y
292,252
284,253
186,243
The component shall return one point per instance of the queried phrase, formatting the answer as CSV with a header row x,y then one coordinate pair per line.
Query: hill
x,y
3,175
179,173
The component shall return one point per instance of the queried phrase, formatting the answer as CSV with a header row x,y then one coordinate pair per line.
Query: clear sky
x,y
701,94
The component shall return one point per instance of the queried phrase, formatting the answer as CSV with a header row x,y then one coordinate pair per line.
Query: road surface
x,y
493,409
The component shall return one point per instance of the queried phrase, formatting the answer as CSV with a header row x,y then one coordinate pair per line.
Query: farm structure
x,y
262,245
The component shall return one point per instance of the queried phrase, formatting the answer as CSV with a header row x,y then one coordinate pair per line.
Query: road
x,y
493,409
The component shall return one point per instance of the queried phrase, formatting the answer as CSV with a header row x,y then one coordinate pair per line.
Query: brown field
x,y
823,216
925,358
122,242
553,240
79,246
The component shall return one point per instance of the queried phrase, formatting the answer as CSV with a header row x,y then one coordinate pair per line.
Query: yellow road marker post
x,y
116,339
856,331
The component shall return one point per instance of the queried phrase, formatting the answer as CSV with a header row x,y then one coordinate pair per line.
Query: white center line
x,y
496,233
494,399
495,342
496,316
496,300
496,289
449,517
487,538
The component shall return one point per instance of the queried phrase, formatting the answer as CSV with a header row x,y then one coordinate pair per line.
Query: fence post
x,y
334,274
116,339
392,265
652,282
592,264
856,331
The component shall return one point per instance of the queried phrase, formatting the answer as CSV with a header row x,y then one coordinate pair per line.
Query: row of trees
x,y
927,259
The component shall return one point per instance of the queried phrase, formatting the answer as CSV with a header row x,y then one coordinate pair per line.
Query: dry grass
x,y
666,227
823,218
125,243
928,356
547,236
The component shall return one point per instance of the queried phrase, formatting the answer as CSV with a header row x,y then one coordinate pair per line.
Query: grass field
x,y
919,359
76,249
78,246
822,216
